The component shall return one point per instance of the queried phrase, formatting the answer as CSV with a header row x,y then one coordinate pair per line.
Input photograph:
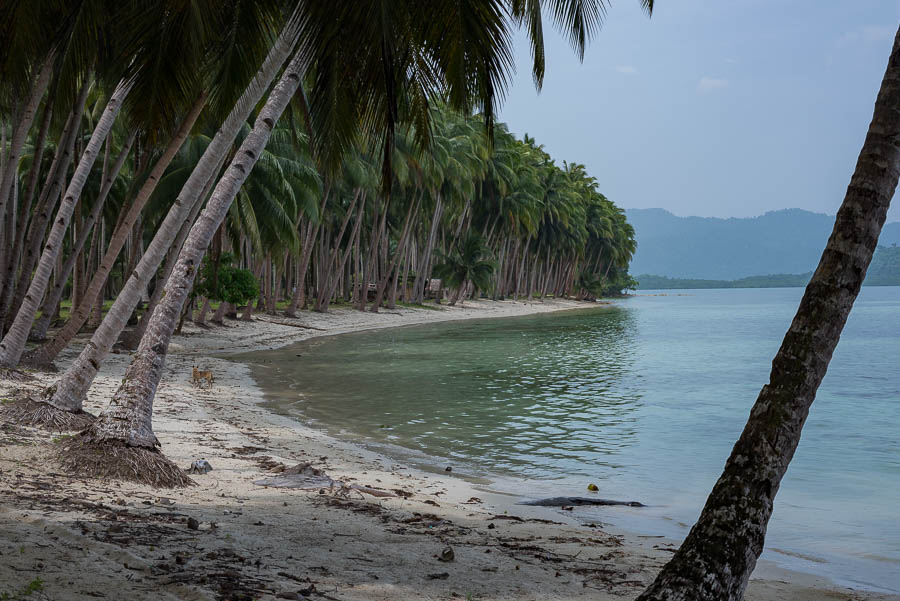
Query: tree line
x,y
144,143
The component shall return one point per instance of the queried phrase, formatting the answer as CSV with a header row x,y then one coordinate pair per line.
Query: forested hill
x,y
780,242
884,271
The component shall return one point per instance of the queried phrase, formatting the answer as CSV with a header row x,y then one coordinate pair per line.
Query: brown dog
x,y
199,376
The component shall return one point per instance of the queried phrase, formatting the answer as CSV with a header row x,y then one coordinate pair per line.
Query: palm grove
x,y
339,153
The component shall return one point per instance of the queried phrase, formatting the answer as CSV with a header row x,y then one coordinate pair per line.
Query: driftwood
x,y
578,501
293,325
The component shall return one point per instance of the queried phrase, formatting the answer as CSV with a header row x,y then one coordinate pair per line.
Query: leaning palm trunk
x,y
298,299
422,271
13,343
16,244
17,141
69,393
128,419
14,295
48,352
48,308
716,559
342,263
131,339
401,244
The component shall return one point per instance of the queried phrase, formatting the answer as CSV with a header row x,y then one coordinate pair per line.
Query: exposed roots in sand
x,y
115,460
29,412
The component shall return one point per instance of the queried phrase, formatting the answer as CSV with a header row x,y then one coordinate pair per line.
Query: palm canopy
x,y
467,264
374,64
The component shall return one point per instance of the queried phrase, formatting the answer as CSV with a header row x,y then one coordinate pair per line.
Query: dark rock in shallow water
x,y
578,501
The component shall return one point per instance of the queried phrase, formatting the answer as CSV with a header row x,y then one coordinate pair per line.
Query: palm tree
x,y
466,265
65,398
13,344
415,50
716,559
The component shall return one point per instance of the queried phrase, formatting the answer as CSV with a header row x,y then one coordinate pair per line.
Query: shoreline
x,y
274,541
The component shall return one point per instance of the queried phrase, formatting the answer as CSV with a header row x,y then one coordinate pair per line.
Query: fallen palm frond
x,y
29,412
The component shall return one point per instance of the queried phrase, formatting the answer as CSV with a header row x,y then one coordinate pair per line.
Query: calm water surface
x,y
645,399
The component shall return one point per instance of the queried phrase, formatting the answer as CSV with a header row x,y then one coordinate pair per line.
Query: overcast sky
x,y
714,108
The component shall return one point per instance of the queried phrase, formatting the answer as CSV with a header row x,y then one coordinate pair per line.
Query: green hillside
x,y
789,241
884,271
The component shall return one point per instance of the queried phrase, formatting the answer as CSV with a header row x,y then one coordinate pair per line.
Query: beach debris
x,y
193,524
200,466
593,487
473,501
491,526
304,476
579,501
448,469
440,576
447,555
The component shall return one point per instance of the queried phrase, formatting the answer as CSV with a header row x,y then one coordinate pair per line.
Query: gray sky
x,y
714,108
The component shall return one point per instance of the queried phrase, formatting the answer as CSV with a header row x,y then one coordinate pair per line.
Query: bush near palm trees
x,y
222,281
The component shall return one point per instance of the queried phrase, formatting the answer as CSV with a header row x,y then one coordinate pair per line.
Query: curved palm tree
x,y
409,51
716,559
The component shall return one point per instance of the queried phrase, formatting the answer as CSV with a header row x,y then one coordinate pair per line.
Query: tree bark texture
x,y
13,343
70,391
128,417
716,559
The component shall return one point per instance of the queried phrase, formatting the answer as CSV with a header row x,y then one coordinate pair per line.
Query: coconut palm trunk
x,y
51,302
13,344
17,243
128,419
298,299
342,261
401,244
130,340
46,353
336,259
37,228
422,271
716,559
17,141
71,390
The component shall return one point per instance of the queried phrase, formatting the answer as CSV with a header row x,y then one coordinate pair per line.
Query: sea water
x,y
644,398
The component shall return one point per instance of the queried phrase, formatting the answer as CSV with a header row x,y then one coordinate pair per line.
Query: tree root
x,y
29,412
82,456
14,375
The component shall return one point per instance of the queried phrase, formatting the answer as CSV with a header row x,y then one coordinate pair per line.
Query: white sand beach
x,y
436,537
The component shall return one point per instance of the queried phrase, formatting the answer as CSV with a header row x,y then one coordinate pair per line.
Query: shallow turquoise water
x,y
645,399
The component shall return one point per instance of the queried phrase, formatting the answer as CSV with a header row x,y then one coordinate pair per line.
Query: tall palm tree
x,y
407,51
716,559
13,344
67,395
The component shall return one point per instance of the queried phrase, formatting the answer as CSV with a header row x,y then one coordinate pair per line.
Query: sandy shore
x,y
438,537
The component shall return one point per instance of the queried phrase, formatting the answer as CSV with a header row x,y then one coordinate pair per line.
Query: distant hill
x,y
884,271
780,242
